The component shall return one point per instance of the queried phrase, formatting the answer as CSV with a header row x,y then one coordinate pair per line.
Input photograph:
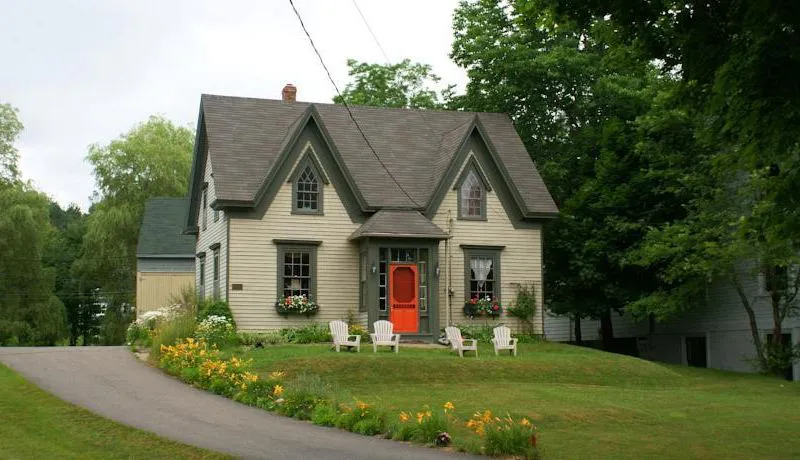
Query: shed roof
x,y
399,224
161,233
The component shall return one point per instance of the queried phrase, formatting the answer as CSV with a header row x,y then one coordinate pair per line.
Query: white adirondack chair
x,y
503,341
383,336
342,338
458,343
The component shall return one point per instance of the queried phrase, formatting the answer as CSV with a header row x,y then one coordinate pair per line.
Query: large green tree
x,y
152,159
738,64
29,312
601,125
403,85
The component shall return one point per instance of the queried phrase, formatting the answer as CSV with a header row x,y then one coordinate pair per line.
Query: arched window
x,y
307,191
472,197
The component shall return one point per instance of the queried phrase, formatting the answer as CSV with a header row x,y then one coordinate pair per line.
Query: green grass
x,y
35,424
586,403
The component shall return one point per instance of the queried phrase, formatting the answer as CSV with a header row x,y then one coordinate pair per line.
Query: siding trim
x,y
297,242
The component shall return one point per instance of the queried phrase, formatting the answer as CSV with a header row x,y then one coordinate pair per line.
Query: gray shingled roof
x,y
161,233
399,223
245,137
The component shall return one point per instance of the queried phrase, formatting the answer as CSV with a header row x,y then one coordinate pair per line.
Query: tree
x,y
10,128
63,248
29,312
401,85
738,65
600,123
152,159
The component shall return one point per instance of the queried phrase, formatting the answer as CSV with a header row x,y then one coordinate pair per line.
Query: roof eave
x,y
400,235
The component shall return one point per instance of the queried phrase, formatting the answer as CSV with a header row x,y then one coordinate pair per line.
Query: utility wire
x,y
374,37
347,106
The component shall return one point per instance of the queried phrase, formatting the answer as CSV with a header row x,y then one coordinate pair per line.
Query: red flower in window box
x,y
482,307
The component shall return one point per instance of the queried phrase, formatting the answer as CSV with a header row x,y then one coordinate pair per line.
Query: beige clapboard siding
x,y
155,290
520,261
216,232
254,261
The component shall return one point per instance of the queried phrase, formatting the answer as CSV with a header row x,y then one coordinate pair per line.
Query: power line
x,y
374,37
347,106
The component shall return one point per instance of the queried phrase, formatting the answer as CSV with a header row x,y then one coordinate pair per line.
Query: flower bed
x,y
309,398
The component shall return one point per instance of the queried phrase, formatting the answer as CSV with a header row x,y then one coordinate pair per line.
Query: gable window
x,y
472,194
307,191
205,208
297,267
215,272
482,272
201,285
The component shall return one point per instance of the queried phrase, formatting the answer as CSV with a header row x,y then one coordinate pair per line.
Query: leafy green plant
x,y
481,333
312,333
303,395
324,414
260,339
216,330
524,308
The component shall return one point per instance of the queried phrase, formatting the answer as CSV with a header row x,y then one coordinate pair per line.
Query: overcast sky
x,y
85,71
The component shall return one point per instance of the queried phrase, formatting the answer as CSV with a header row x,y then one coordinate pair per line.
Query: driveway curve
x,y
111,382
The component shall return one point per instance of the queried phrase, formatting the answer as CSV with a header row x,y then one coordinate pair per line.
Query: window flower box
x,y
483,307
296,305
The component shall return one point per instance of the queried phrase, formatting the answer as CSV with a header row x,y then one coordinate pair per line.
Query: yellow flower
x,y
362,405
420,416
448,406
277,390
428,414
525,422
404,416
486,416
277,375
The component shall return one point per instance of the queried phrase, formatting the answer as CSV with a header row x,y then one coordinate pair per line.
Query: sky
x,y
84,72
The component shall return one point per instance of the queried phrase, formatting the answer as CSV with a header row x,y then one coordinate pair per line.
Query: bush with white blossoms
x,y
140,332
215,329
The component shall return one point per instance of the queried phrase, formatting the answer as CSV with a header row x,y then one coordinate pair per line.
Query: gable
x,y
309,146
474,154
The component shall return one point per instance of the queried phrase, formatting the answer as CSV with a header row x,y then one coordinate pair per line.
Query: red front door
x,y
403,295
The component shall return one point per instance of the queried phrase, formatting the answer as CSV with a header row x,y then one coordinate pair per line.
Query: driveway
x,y
111,382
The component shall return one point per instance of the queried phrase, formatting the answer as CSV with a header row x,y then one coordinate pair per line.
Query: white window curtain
x,y
481,266
469,182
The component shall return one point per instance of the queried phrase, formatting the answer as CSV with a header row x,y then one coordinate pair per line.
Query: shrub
x,y
324,414
524,307
357,329
216,330
214,307
312,333
482,333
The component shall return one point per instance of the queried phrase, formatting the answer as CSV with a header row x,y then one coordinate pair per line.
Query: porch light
x,y
374,268
437,271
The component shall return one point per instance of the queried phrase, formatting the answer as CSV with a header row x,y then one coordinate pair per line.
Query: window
x,y
297,271
205,208
307,192
201,286
472,196
216,273
482,273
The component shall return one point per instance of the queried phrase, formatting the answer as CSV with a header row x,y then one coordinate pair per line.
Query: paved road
x,y
111,382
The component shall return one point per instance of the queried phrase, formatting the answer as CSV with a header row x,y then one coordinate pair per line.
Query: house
x,y
404,222
164,255
717,336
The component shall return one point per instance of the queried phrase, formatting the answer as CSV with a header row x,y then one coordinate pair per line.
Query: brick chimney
x,y
289,93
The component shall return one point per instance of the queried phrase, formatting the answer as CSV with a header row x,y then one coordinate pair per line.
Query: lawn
x,y
586,403
35,424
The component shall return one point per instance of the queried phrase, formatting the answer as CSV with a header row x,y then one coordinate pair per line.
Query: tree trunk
x,y
607,330
578,336
737,283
